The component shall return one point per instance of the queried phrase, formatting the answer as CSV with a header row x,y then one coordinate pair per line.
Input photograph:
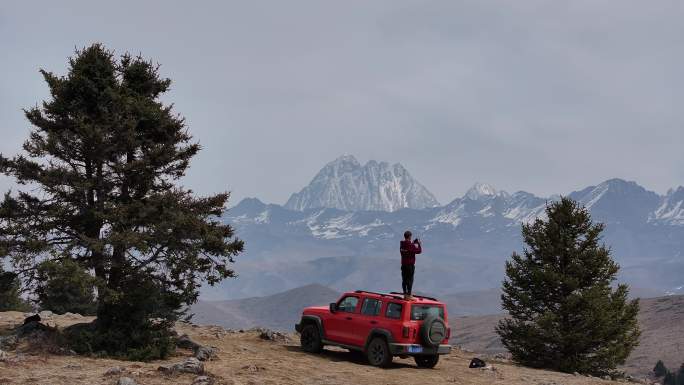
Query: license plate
x,y
415,349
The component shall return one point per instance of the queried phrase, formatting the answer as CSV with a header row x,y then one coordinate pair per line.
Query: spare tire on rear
x,y
433,331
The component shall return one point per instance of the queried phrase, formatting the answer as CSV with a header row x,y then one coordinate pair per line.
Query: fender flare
x,y
378,332
317,321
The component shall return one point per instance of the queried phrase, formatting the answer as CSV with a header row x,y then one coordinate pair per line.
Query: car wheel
x,y
426,361
310,339
378,353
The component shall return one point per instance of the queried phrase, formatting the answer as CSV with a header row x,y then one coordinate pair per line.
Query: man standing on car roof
x,y
408,252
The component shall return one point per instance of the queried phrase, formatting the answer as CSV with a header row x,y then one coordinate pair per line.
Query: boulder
x,y
9,342
114,371
126,381
203,380
270,335
191,365
46,314
204,353
184,342
32,318
3,355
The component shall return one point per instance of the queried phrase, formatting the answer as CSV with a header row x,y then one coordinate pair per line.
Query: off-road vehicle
x,y
379,325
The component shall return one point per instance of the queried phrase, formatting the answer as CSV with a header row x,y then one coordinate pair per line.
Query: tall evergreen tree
x,y
102,164
564,315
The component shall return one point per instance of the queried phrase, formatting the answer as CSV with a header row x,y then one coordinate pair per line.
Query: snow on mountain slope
x,y
345,184
671,208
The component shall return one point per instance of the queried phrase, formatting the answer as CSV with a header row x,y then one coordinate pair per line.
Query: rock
x,y
184,342
191,365
74,367
270,335
3,355
204,353
576,374
8,342
114,371
32,318
607,377
253,368
203,380
46,314
126,381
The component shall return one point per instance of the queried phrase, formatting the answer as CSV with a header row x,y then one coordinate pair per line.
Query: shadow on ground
x,y
352,357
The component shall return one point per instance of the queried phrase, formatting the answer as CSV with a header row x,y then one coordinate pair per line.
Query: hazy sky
x,y
545,96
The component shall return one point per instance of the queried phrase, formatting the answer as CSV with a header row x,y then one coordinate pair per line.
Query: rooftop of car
x,y
397,296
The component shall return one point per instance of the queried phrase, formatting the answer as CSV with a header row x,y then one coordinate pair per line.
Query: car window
x,y
420,312
348,304
393,310
371,306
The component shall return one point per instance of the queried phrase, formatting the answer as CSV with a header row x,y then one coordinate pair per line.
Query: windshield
x,y
420,312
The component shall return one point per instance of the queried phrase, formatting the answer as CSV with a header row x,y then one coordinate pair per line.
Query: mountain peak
x,y
481,190
345,184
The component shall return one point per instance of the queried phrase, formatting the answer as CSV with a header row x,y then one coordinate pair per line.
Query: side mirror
x,y
333,307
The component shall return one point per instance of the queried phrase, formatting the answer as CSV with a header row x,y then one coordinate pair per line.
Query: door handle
x,y
348,318
374,322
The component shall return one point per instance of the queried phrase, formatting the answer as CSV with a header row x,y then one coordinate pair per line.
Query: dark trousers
x,y
407,278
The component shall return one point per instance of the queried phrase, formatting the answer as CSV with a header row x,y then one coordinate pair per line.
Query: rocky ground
x,y
250,357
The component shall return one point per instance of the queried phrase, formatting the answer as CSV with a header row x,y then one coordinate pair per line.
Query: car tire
x,y
378,353
426,361
433,331
310,339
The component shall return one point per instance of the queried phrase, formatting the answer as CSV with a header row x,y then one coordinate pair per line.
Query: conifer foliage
x,y
101,167
564,314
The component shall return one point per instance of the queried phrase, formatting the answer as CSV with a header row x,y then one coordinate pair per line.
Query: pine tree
x,y
10,293
680,375
564,315
670,379
64,286
660,369
103,163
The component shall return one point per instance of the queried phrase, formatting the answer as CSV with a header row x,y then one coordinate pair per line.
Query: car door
x,y
366,320
339,324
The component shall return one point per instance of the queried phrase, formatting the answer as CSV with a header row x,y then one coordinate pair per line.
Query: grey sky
x,y
545,96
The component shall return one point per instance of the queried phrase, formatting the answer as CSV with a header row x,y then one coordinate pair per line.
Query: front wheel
x,y
426,361
310,339
378,353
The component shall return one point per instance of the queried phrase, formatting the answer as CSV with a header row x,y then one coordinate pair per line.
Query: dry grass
x,y
244,358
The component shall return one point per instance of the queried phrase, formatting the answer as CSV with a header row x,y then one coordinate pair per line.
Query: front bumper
x,y
415,349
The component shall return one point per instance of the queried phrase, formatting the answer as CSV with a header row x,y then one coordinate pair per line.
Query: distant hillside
x,y
280,311
661,320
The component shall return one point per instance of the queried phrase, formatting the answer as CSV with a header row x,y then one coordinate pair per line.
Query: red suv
x,y
379,325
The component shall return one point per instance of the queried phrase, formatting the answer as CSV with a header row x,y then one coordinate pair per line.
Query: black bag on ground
x,y
477,363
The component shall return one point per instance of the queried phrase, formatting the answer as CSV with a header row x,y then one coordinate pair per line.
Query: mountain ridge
x,y
345,184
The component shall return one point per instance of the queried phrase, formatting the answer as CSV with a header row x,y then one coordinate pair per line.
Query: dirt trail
x,y
244,358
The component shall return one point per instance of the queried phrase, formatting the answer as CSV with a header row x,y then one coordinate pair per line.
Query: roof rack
x,y
390,295
419,296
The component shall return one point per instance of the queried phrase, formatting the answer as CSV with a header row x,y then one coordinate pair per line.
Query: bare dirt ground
x,y
244,358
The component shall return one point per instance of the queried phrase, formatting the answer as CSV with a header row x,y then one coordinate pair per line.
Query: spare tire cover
x,y
433,331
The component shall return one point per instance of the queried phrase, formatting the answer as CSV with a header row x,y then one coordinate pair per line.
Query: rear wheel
x,y
426,361
310,339
378,353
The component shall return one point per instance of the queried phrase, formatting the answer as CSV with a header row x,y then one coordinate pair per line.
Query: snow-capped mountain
x,y
466,241
347,185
